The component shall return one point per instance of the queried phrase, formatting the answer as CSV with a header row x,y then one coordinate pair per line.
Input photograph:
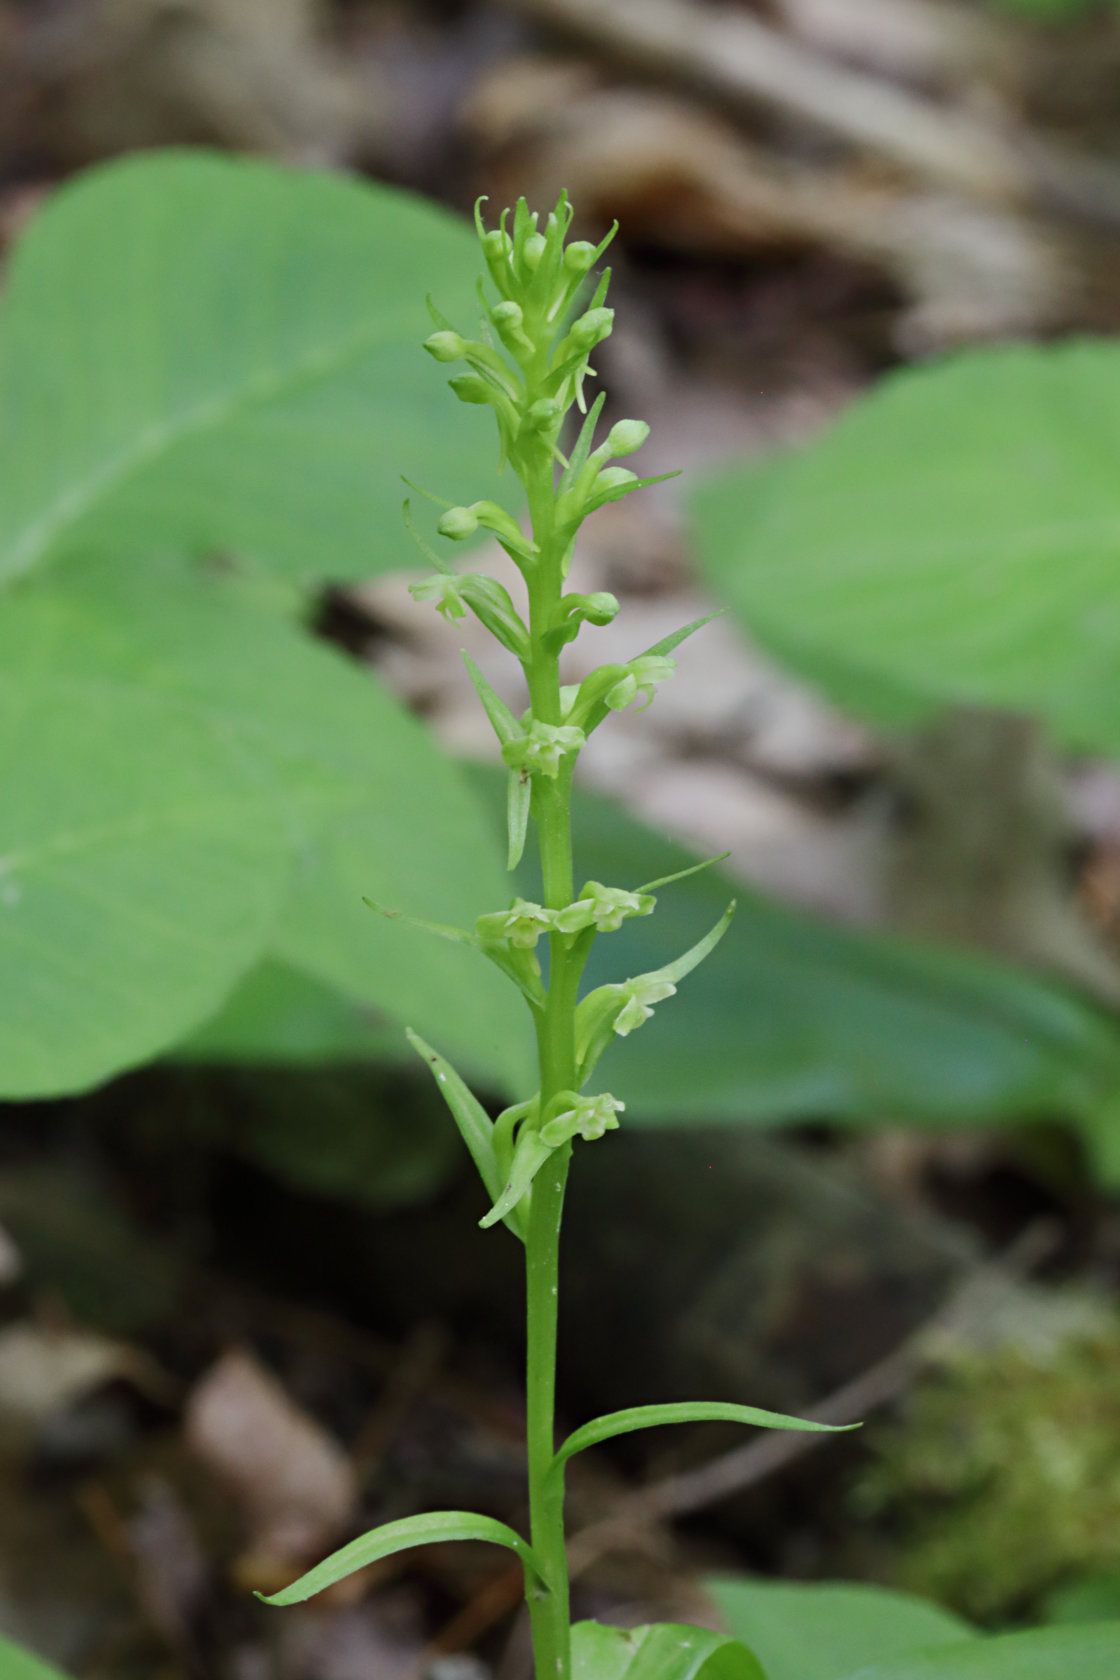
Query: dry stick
x,y
969,1307
746,62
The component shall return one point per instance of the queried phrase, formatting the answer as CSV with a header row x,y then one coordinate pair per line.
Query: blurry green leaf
x,y
682,1411
193,780
659,1651
18,1664
794,1016
432,1528
823,1631
953,537
141,856
214,352
1076,1653
1091,1598
277,1015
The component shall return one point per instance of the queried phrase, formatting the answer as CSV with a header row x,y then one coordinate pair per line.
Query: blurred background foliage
x,y
866,282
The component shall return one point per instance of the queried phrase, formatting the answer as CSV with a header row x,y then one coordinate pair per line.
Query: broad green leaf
x,y
824,1630
277,1015
18,1664
684,1411
659,1651
219,353
952,538
430,1529
142,858
321,789
1090,1652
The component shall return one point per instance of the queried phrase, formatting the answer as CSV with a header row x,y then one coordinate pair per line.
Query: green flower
x,y
521,925
642,677
604,908
540,750
446,591
585,1117
640,995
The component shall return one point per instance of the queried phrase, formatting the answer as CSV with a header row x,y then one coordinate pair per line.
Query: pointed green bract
x,y
433,1528
502,720
529,1157
475,1125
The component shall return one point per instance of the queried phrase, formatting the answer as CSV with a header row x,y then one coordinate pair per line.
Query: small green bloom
x,y
641,995
604,908
446,591
587,1117
521,925
642,677
540,750
591,329
458,523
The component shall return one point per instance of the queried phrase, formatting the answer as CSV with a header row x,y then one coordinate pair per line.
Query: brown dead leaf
x,y
292,1482
44,1369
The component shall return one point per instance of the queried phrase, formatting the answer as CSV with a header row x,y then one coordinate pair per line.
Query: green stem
x,y
548,1601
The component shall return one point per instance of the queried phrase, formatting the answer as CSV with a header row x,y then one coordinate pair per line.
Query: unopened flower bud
x,y
544,413
496,245
613,478
471,388
600,607
592,328
533,250
625,436
508,320
458,523
579,256
446,346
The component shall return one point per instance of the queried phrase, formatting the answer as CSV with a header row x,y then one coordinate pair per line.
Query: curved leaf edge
x,y
429,1529
684,1411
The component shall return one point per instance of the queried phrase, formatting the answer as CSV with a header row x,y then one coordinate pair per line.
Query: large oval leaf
x,y
659,1651
808,1630
141,857
954,537
217,352
191,781
1066,1653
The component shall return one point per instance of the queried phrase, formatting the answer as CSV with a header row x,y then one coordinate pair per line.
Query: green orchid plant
x,y
530,367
